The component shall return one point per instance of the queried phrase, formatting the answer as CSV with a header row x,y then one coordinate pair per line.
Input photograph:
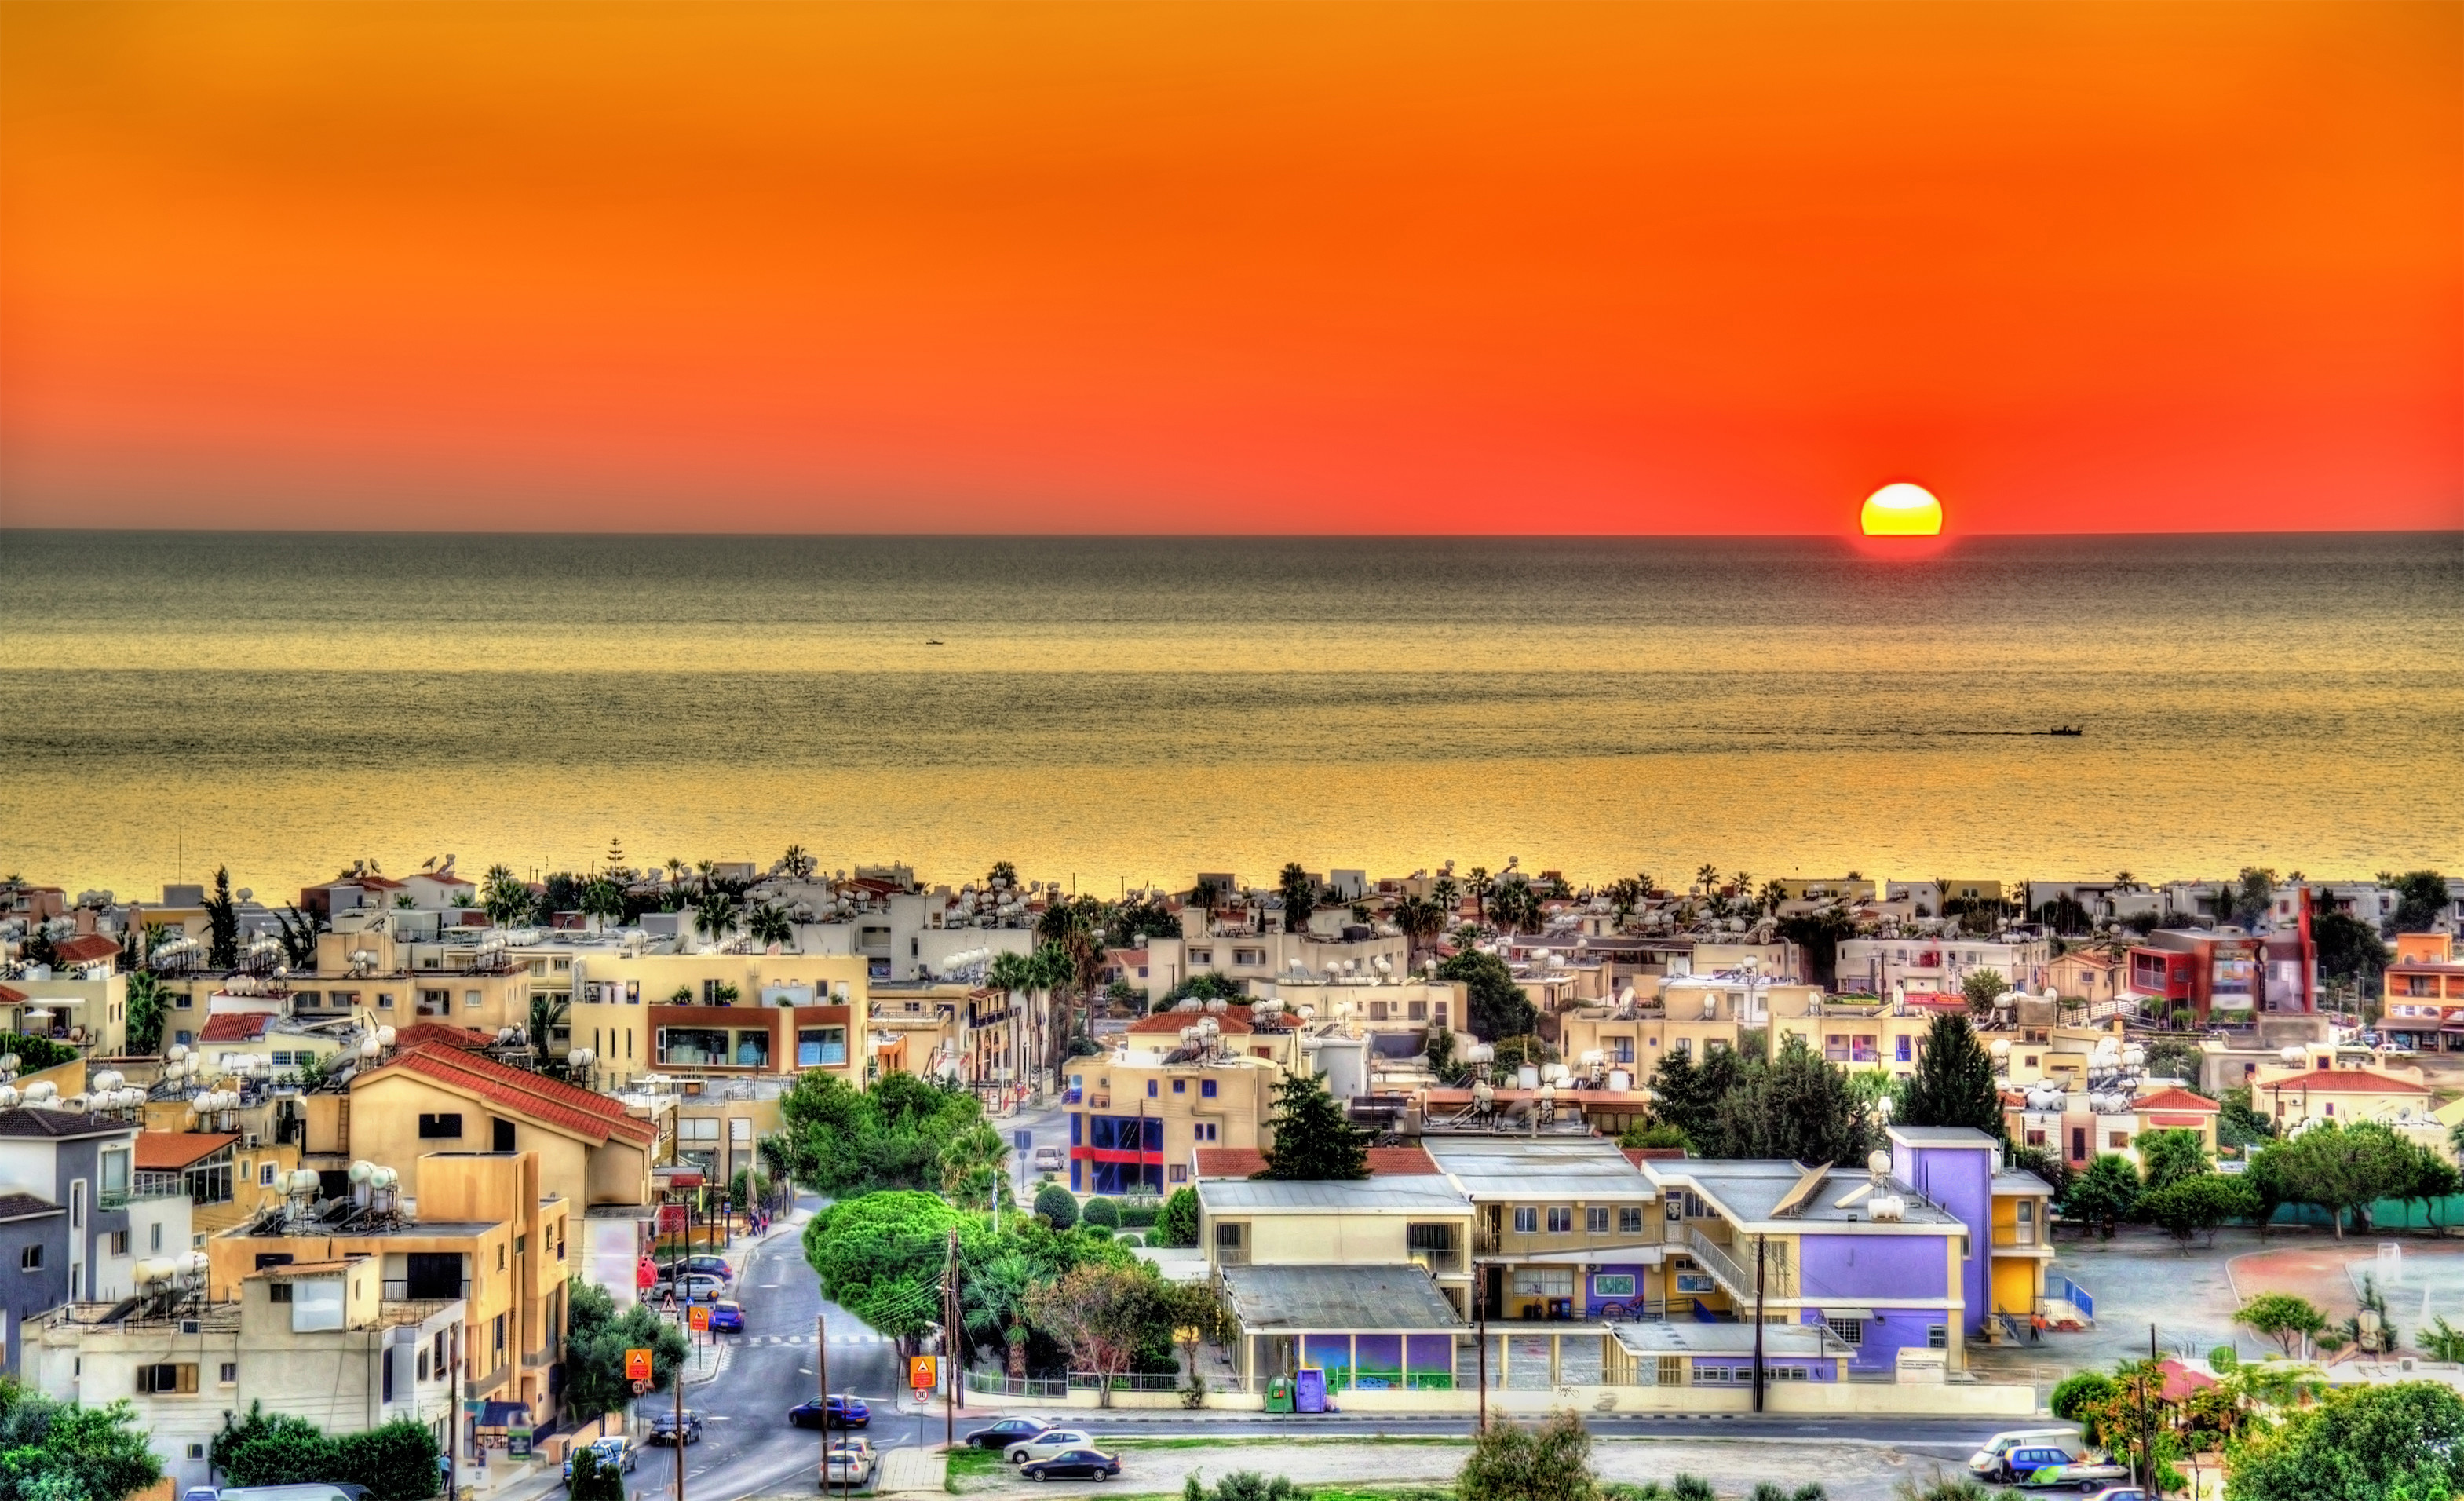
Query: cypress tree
x,y
1315,1142
1954,1081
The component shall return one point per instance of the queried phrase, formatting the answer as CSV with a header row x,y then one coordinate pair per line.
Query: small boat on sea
x,y
2066,729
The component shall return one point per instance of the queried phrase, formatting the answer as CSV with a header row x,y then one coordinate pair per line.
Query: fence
x,y
1093,1382
2062,1289
992,1385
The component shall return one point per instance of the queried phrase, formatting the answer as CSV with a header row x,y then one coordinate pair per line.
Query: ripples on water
x,y
1143,709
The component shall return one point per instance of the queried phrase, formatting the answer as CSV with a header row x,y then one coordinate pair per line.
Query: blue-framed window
x,y
1902,1055
1206,1089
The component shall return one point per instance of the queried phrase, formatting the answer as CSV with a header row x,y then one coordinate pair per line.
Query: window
x,y
1201,1130
1596,1220
230,1372
2118,1139
1937,1336
119,1243
114,1172
1851,1331
281,1059
693,1044
1561,1220
265,1174
469,1000
1206,1089
1527,1222
166,1380
820,1047
30,1258
423,1365
1545,1282
157,1237
1151,1090
384,999
197,1451
279,1292
1180,1086
388,1376
1900,1049
446,1125
1177,1174
1630,1220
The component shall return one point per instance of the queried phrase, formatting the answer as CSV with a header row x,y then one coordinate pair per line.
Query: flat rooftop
x,y
1333,1298
1591,1169
1401,1194
1750,1190
1687,1337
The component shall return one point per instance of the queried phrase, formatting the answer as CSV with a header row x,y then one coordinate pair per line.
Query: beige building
x,y
1135,1118
717,1013
480,1231
428,1100
314,1340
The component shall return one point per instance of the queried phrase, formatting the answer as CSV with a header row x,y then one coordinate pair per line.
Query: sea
x,y
1114,712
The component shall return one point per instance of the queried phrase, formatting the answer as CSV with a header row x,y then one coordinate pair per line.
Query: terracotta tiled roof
x,y
1638,1156
169,1151
11,996
419,1034
2175,1099
374,883
1249,1162
2345,1081
1233,1017
551,1103
85,949
235,1027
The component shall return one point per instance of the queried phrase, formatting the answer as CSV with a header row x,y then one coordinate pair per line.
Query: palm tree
x,y
797,863
1420,918
769,924
1002,873
547,1014
504,896
1481,886
1708,877
675,869
603,901
994,1303
298,937
714,914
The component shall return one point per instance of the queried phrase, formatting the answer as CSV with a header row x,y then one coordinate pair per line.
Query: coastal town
x,y
506,1171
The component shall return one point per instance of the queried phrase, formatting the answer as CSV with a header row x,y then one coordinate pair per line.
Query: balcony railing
x,y
1440,1259
1736,1272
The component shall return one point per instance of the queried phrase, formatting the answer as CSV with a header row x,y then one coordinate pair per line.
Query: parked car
x,y
1048,1443
665,1427
1009,1430
1074,1464
842,1412
1051,1159
317,1491
850,1462
2086,1477
1991,1462
711,1267
726,1318
615,1449
696,1287
2122,1494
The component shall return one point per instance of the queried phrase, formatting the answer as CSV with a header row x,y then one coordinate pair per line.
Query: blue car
x,y
726,1318
842,1412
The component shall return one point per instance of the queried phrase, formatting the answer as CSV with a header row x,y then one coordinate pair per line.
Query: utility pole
x,y
2147,1418
453,1416
822,1360
949,1344
1480,1323
1759,1243
680,1416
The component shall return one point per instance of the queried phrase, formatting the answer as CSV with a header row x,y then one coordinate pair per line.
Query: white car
x,y
1044,1446
1051,1159
850,1463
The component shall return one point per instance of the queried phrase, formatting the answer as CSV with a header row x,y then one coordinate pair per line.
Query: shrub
x,y
1550,1463
1130,1238
590,1483
1140,1216
2079,1397
2223,1358
1102,1213
1242,1485
1056,1206
1176,1222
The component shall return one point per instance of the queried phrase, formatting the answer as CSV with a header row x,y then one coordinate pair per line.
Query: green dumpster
x,y
1279,1393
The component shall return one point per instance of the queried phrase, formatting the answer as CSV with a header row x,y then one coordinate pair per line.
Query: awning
x,y
1828,1312
505,1415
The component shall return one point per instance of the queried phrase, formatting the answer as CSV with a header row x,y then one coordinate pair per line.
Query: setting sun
x,y
1902,510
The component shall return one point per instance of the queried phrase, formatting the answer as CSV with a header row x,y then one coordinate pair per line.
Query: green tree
x,y
768,924
601,901
1798,1107
1514,905
2421,900
1818,934
797,864
1056,1207
1177,1223
1551,1462
549,1012
2168,1157
1494,1006
1687,1094
1313,1140
1982,987
2238,1124
1655,1133
504,897
2362,1443
273,1449
2343,1169
1420,919
145,1012
903,1133
715,915
396,1460
880,1256
1100,1212
222,923
2078,1396
1954,1080
2103,1194
1242,1485
591,1483
2281,1316
595,1341
2196,1205
1101,1315
1299,890
297,931
63,1451
2349,949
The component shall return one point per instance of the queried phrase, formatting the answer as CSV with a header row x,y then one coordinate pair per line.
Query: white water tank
x,y
1527,1077
1620,1081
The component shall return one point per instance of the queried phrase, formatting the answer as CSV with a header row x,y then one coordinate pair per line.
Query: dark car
x,y
1074,1465
711,1267
843,1412
663,1427
1009,1430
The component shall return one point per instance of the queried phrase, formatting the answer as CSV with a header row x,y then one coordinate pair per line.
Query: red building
x,y
2225,976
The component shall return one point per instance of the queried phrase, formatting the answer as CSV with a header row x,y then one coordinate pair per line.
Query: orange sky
x,y
1396,267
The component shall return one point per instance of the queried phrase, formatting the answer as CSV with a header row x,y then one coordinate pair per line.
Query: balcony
x,y
1736,1272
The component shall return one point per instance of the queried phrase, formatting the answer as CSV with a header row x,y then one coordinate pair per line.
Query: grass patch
x,y
1235,1441
971,1464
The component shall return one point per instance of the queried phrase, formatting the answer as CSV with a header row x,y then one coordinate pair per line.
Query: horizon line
x,y
1942,539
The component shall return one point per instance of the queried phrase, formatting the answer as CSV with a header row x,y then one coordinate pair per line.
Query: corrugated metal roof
x,y
1367,1195
1402,1297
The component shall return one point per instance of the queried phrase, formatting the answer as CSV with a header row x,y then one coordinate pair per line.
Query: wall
x,y
1960,1180
1875,1271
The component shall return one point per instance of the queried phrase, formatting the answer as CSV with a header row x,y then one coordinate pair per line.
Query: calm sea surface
x,y
1141,710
